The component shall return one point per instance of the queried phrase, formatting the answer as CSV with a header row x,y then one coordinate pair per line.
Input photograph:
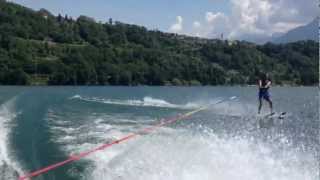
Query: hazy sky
x,y
236,19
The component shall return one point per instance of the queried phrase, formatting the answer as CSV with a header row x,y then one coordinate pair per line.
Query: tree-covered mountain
x,y
307,32
37,47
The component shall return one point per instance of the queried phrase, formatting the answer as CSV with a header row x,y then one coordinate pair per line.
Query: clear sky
x,y
236,19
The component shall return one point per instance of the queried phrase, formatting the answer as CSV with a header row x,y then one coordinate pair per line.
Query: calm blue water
x,y
44,125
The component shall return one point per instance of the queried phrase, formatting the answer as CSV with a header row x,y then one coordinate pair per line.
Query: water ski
x,y
269,115
280,115
267,121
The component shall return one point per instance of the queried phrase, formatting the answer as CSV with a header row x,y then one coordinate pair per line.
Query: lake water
x,y
40,126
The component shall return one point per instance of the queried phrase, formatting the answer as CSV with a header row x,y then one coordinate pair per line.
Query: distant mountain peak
x,y
306,32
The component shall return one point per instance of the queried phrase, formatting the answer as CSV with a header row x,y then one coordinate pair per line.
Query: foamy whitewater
x,y
177,154
9,169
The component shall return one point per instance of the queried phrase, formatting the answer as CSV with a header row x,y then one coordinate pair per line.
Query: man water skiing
x,y
264,86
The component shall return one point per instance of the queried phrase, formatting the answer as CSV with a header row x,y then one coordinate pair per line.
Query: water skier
x,y
264,86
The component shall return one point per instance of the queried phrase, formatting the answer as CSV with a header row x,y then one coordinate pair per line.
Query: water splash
x,y
180,154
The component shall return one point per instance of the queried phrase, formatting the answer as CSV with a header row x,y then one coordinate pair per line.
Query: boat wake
x,y
145,102
9,169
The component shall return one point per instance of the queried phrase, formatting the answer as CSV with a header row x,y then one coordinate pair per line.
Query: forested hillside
x,y
37,47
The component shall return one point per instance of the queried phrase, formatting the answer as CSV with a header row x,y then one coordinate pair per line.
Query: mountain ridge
x,y
306,32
